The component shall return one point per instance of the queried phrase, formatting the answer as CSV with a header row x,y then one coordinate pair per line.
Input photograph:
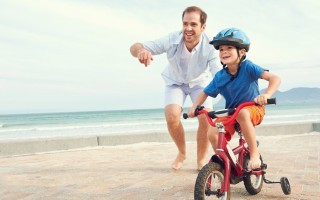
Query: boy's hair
x,y
203,15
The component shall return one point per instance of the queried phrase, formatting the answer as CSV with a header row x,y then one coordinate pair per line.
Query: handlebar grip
x,y
272,101
185,116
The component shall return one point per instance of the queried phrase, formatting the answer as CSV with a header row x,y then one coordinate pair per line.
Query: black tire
x,y
212,171
253,183
285,185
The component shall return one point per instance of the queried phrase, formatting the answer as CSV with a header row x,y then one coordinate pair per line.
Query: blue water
x,y
22,126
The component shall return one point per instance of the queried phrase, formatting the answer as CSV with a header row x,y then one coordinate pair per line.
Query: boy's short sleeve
x,y
255,71
212,88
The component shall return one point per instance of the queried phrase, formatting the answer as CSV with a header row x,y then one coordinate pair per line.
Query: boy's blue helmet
x,y
231,36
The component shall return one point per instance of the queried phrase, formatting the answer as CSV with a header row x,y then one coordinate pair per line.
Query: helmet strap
x,y
223,65
242,58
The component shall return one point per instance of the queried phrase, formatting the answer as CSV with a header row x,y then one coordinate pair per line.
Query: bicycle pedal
x,y
264,166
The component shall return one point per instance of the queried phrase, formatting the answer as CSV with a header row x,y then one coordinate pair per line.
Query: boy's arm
x,y
274,82
199,101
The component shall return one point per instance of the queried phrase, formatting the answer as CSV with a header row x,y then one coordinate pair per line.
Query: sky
x,y
73,55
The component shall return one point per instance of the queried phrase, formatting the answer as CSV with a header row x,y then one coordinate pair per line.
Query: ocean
x,y
44,125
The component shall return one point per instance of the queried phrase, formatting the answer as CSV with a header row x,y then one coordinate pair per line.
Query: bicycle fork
x,y
227,155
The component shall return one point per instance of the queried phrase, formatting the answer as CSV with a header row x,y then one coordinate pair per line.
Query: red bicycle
x,y
229,166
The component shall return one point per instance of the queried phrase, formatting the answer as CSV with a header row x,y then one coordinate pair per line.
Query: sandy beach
x,y
142,170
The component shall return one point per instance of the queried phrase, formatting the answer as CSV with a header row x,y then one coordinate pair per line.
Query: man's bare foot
x,y
254,162
201,164
177,164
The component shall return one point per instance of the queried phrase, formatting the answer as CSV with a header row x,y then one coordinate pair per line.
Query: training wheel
x,y
285,185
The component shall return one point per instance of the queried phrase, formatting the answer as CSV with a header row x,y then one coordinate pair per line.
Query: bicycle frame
x,y
229,164
224,151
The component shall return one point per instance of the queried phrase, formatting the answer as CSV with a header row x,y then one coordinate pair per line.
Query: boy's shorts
x,y
256,116
177,94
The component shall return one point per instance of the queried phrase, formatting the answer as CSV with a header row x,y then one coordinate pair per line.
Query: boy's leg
x,y
248,131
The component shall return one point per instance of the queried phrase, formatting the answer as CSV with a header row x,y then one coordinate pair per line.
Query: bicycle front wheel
x,y
209,182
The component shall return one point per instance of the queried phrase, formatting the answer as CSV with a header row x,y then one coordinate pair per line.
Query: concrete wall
x,y
31,146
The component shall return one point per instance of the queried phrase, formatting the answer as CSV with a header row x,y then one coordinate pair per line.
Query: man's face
x,y
191,27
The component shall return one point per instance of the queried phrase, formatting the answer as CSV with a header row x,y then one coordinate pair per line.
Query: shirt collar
x,y
197,47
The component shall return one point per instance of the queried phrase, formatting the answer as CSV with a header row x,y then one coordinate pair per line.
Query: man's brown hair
x,y
203,15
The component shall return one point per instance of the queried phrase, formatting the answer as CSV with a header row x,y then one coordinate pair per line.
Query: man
x,y
191,59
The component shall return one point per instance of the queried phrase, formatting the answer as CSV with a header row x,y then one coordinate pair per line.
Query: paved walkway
x,y
142,171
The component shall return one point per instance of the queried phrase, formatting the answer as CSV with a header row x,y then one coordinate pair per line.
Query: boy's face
x,y
229,55
191,27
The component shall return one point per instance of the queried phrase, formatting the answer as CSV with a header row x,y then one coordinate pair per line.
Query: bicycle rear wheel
x,y
253,183
209,181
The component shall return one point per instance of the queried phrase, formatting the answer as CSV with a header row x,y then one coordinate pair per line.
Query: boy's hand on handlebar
x,y
262,99
191,112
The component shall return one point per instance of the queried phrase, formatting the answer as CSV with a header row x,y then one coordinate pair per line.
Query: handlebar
x,y
233,112
272,101
185,116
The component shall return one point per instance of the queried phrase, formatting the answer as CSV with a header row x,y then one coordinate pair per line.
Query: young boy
x,y
237,82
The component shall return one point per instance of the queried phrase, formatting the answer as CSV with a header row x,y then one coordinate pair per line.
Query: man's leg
x,y
175,128
213,137
202,141
202,138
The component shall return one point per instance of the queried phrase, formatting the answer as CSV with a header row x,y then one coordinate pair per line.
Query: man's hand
x,y
145,57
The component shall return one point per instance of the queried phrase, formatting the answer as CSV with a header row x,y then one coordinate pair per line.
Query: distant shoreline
x,y
32,146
